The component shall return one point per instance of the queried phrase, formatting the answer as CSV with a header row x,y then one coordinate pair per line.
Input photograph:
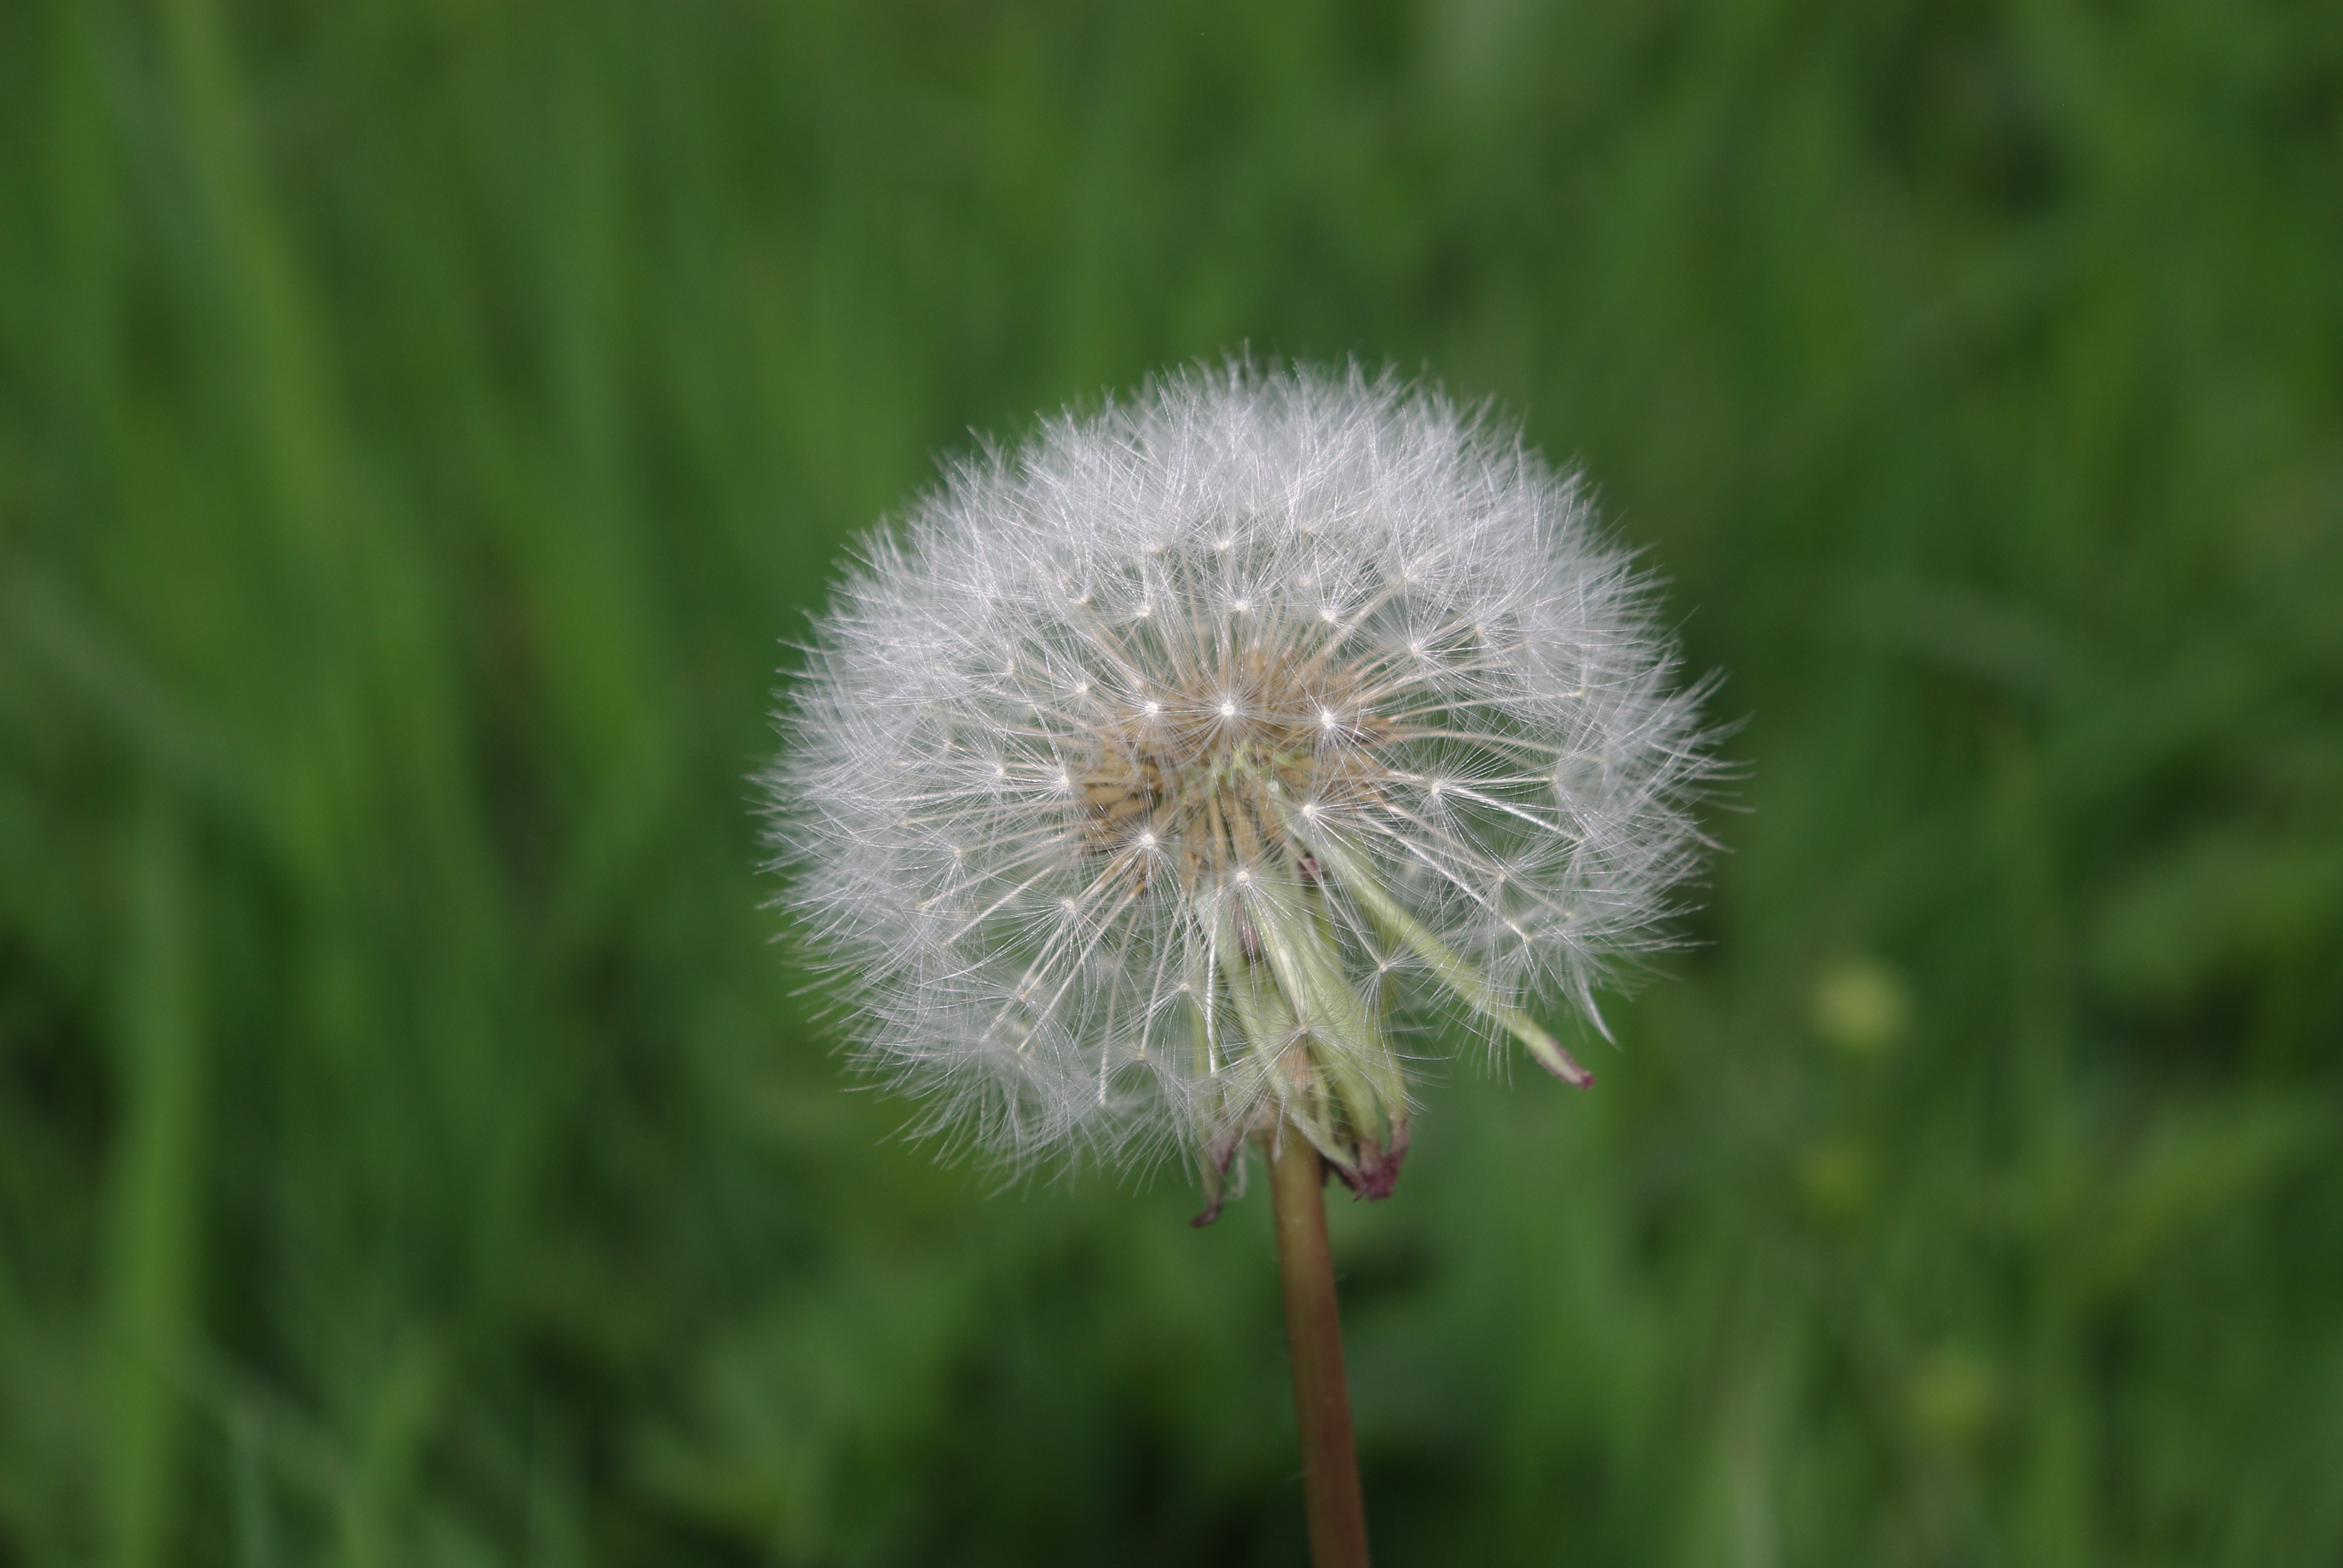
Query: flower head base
x,y
1157,772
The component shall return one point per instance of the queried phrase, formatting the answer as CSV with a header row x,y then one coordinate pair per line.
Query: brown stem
x,y
1313,1339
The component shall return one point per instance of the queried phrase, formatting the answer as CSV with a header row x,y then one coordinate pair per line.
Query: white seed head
x,y
1142,772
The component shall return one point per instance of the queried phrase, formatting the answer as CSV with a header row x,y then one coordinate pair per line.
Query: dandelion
x,y
1155,779
1154,776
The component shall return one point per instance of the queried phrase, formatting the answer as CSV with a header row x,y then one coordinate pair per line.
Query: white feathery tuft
x,y
1142,773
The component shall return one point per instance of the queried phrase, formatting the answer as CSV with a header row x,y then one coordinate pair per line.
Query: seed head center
x,y
1187,778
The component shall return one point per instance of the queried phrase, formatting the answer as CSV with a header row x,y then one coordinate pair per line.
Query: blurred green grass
x,y
419,421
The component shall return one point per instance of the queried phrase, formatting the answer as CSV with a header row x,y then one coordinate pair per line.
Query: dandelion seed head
x,y
1201,718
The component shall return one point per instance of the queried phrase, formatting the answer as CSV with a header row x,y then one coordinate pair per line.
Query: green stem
x,y
1357,878
1313,1339
156,1214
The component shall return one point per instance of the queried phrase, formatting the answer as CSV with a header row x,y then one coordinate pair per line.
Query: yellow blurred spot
x,y
1953,1394
1862,1007
1836,1175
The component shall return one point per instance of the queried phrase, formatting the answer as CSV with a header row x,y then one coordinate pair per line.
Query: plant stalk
x,y
1313,1339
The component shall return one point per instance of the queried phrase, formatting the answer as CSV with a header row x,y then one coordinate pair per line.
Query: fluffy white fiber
x,y
1250,656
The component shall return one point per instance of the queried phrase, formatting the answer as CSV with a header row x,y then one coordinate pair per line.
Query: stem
x,y
1313,1339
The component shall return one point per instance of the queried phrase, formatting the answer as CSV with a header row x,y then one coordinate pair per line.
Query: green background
x,y
421,425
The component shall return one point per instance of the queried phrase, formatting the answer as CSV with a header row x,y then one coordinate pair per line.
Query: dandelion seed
x,y
1337,652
